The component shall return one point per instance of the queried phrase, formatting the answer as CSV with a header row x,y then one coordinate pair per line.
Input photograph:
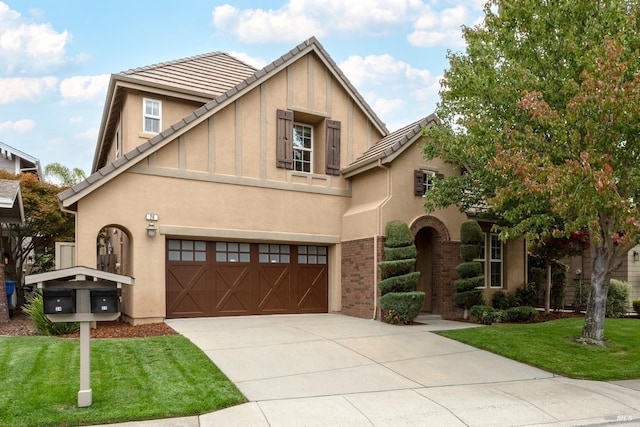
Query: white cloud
x,y
18,126
84,88
91,133
27,46
387,107
300,19
25,88
76,120
382,70
253,61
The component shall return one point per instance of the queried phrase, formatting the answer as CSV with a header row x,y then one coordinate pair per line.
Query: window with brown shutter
x,y
284,143
332,160
418,182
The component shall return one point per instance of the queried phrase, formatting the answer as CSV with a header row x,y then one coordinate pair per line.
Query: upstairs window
x,y
302,148
295,144
152,115
424,180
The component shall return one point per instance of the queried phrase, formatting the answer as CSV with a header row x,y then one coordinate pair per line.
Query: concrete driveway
x,y
334,370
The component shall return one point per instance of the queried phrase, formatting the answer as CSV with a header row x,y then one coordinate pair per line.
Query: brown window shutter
x,y
332,163
418,182
284,144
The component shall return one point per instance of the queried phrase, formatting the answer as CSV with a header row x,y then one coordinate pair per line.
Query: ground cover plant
x,y
131,379
552,346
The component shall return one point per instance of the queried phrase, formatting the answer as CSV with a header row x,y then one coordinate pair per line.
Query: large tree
x,y
542,113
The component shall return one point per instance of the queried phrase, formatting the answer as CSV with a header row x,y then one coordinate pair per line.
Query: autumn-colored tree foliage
x,y
44,224
542,112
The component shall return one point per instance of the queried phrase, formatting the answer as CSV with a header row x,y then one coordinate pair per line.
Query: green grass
x,y
552,347
131,379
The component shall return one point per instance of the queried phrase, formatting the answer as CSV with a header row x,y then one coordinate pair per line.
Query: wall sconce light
x,y
636,256
151,229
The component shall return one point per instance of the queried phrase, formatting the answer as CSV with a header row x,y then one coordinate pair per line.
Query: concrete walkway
x,y
333,370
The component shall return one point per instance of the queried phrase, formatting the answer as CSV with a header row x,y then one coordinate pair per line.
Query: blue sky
x,y
56,56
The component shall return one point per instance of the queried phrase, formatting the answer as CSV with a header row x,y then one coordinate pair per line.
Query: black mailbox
x,y
59,301
105,300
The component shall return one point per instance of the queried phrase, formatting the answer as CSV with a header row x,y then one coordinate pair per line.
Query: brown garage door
x,y
235,279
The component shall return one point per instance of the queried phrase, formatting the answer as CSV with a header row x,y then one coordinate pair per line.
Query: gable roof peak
x,y
182,61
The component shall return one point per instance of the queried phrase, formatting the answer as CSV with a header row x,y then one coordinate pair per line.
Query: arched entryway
x,y
113,250
436,260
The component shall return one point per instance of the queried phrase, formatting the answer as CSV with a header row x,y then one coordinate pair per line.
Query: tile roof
x,y
391,145
11,208
210,74
130,158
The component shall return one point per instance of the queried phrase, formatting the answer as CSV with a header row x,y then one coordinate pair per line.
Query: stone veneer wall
x,y
358,277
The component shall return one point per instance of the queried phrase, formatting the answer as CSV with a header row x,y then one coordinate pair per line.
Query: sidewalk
x,y
333,370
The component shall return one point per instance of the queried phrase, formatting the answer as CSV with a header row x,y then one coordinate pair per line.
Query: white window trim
x,y
429,176
151,116
305,149
495,261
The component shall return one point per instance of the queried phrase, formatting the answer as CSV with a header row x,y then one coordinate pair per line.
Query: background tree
x,y
44,225
61,175
542,113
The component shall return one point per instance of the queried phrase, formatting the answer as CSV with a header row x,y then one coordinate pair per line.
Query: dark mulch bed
x,y
21,325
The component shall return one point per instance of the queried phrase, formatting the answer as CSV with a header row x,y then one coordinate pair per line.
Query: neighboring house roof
x,y
11,207
69,197
197,78
389,147
27,164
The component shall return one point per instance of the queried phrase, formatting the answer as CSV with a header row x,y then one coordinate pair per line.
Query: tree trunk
x,y
602,264
547,294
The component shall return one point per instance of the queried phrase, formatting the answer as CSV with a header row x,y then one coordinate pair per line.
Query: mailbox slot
x,y
59,301
105,300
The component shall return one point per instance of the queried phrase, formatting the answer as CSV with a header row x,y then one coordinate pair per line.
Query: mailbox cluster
x,y
63,301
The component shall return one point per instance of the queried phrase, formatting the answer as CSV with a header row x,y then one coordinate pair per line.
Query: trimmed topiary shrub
x,y
399,302
404,283
396,268
470,285
405,252
521,314
397,235
401,307
34,308
636,305
559,273
617,298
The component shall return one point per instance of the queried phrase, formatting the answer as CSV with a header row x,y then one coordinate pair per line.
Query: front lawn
x,y
131,379
552,347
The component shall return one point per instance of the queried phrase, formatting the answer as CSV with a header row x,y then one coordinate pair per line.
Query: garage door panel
x,y
232,290
188,292
227,278
274,289
312,292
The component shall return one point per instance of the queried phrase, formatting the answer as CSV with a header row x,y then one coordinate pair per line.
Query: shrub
x,y
471,233
469,252
469,269
401,307
636,305
405,252
397,234
485,315
404,283
528,294
34,308
559,273
502,301
617,298
396,268
582,296
521,314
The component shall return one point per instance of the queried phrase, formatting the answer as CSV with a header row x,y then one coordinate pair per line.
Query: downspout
x,y
375,238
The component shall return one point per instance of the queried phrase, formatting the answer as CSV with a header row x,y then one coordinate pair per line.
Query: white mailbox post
x,y
84,295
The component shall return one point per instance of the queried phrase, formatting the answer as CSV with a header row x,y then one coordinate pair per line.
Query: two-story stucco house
x,y
235,191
